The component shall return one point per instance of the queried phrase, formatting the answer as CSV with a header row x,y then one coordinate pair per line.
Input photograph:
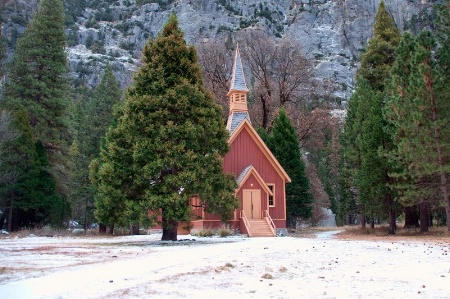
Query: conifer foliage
x,y
363,134
168,143
36,93
418,112
94,116
37,80
284,144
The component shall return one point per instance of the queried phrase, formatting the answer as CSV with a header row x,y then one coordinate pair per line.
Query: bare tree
x,y
216,61
321,198
280,72
293,72
259,54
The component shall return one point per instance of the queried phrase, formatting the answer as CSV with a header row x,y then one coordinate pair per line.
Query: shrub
x,y
225,231
206,232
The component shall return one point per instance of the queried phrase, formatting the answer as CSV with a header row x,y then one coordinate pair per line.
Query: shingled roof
x,y
243,174
238,79
235,119
238,109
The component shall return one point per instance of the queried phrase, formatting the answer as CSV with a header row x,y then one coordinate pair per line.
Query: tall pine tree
x,y
37,79
100,111
169,141
31,194
418,112
94,118
37,82
363,135
284,144
8,175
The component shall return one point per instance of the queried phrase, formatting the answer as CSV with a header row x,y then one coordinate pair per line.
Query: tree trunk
x,y
111,229
2,219
447,212
392,216
170,228
101,229
265,116
441,160
85,225
363,217
392,219
424,217
411,217
10,215
445,192
134,229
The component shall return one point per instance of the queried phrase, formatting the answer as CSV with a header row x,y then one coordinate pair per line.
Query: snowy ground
x,y
143,267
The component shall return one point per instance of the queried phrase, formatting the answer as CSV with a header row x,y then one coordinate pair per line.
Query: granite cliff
x,y
332,33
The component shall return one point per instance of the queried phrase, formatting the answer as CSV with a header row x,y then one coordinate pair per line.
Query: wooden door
x,y
252,203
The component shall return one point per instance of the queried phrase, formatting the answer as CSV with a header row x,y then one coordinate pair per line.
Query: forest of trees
x,y
396,140
104,155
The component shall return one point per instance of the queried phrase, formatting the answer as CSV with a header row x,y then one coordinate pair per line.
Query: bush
x,y
206,232
225,231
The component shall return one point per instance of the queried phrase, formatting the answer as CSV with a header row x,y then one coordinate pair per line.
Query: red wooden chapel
x,y
261,179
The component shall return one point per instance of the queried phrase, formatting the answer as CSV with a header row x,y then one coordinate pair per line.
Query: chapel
x,y
260,177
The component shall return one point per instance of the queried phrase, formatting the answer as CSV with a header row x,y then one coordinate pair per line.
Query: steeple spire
x,y
237,94
238,79
238,89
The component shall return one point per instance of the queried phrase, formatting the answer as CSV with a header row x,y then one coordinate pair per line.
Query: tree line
x,y
50,131
395,145
91,155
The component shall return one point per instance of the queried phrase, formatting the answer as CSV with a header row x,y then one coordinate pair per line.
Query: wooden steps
x,y
260,228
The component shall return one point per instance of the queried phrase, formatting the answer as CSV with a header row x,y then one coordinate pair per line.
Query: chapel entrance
x,y
252,203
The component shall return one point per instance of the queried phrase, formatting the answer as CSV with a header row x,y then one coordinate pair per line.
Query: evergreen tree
x,y
20,158
8,175
100,111
284,144
37,79
397,103
347,209
418,112
364,126
31,197
37,82
110,201
380,52
93,120
169,141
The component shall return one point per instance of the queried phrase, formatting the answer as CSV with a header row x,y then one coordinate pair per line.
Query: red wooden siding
x,y
244,152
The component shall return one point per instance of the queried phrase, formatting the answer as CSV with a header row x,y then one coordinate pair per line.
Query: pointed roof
x,y
246,173
235,119
238,95
238,79
246,125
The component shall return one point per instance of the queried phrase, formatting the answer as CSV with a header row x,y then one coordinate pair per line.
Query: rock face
x,y
332,33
